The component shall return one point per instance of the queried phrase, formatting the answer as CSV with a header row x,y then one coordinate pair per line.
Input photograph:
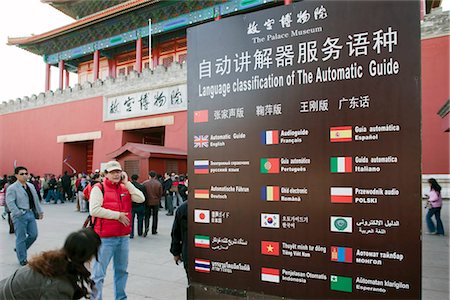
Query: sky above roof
x,y
23,73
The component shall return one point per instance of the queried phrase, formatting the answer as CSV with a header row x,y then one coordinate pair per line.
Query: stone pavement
x,y
153,274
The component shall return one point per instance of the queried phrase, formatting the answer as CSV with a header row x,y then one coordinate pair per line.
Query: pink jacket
x,y
435,198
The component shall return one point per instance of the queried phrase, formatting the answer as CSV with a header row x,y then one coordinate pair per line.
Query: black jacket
x,y
179,234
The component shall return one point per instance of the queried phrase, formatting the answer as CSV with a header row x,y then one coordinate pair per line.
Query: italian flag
x,y
201,241
341,134
341,194
341,164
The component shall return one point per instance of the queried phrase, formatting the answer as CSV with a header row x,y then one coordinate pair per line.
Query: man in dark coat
x,y
138,209
179,244
154,193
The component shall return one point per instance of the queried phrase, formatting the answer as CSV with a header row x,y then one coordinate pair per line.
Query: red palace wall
x,y
435,92
30,136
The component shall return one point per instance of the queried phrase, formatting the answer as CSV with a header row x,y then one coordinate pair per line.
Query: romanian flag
x,y
202,265
201,116
270,248
270,165
341,254
270,193
269,137
201,241
201,166
341,164
270,275
201,194
341,134
341,194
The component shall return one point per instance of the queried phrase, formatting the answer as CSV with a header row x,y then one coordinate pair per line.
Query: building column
x,y
96,64
67,79
287,2
138,67
47,77
112,68
61,74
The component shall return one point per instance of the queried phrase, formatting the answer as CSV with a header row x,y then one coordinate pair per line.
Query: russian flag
x,y
270,193
269,137
202,265
201,166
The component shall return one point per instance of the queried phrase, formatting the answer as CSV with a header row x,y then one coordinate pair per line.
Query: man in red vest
x,y
110,205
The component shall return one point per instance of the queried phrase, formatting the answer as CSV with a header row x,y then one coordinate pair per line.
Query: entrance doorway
x,y
78,155
148,136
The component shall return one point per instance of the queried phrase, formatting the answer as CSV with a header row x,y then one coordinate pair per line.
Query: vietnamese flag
x,y
341,164
270,248
201,116
341,134
270,165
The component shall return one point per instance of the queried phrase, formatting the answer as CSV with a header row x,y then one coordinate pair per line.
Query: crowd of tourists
x,y
113,202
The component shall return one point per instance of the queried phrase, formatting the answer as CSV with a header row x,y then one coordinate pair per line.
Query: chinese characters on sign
x,y
145,103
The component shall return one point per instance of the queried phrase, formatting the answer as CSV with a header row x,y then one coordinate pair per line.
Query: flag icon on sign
x,y
341,283
269,137
341,194
341,224
201,166
201,216
341,134
201,141
341,254
270,248
270,220
341,164
270,275
270,165
201,194
270,193
202,265
201,241
201,116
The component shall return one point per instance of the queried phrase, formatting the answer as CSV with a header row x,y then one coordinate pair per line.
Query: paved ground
x,y
153,274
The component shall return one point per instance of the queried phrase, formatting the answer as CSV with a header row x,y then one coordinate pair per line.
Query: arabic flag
x,y
341,224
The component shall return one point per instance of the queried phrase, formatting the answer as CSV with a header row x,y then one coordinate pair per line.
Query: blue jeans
x,y
117,249
439,228
26,232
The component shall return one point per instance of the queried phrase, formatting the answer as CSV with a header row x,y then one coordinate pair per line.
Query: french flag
x,y
270,137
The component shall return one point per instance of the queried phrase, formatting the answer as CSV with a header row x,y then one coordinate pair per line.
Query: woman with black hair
x,y
434,208
57,274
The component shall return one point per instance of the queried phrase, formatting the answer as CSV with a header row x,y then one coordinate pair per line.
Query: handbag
x,y
2,198
89,223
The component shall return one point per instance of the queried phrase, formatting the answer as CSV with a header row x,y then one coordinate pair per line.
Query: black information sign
x,y
304,151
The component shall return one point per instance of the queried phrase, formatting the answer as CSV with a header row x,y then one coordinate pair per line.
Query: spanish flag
x,y
341,134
